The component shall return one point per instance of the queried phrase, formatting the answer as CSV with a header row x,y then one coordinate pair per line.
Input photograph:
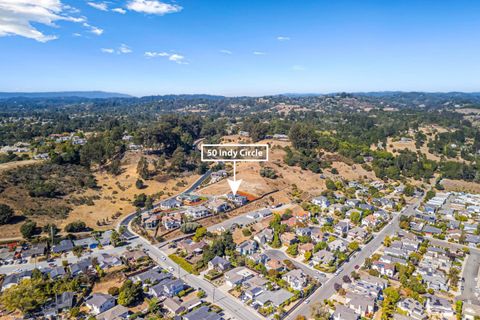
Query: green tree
x,y
6,213
391,297
130,293
353,246
276,243
142,168
355,217
200,233
28,229
76,226
293,249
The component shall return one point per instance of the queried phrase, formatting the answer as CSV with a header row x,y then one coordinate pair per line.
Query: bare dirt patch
x,y
461,186
117,193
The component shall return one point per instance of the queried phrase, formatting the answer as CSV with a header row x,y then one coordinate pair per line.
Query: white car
x,y
171,269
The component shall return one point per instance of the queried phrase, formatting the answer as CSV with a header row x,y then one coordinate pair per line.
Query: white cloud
x,y
119,10
259,53
153,54
298,67
177,58
153,7
17,17
93,29
174,57
76,34
226,51
282,38
98,5
122,49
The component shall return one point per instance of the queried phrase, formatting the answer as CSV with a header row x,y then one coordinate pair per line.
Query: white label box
x,y
234,152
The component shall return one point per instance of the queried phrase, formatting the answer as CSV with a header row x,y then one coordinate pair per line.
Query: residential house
x,y
218,206
100,302
321,201
118,312
135,255
264,236
296,279
237,276
57,272
35,250
304,247
191,247
360,304
237,199
341,228
197,212
344,313
288,238
171,222
86,243
430,230
170,204
413,308
219,264
303,232
370,221
152,221
357,234
275,298
81,266
151,276
15,278
247,247
173,305
439,306
338,245
275,264
384,268
63,246
202,313
323,257
106,261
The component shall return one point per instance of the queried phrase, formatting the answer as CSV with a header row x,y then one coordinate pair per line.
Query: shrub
x,y
6,213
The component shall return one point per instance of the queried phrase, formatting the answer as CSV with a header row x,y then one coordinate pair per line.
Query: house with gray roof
x,y
202,313
344,313
275,298
247,247
100,302
151,276
63,246
413,308
219,264
118,312
15,278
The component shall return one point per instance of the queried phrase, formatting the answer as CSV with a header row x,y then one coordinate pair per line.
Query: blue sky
x,y
231,47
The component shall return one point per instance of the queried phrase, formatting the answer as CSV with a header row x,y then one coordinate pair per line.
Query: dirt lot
x,y
16,164
459,185
115,195
118,191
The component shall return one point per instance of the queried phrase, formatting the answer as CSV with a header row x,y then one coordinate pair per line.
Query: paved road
x,y
327,290
470,274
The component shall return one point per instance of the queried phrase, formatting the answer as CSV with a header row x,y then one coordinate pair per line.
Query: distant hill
x,y
64,94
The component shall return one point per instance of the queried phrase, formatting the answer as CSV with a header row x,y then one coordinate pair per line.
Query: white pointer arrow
x,y
234,184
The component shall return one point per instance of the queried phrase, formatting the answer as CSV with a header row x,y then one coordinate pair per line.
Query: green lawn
x,y
183,263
